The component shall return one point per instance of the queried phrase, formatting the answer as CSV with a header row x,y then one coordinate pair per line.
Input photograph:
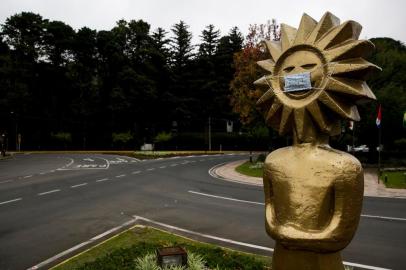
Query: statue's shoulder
x,y
280,155
341,159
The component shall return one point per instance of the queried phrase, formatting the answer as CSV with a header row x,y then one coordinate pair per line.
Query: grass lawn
x,y
396,179
250,169
121,251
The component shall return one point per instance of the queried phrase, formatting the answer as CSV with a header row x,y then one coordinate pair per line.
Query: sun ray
x,y
356,88
317,114
267,64
344,109
327,22
274,48
262,82
286,120
350,49
303,124
288,34
266,98
356,68
307,24
349,30
273,112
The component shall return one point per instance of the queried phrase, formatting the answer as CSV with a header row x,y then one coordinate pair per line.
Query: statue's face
x,y
301,60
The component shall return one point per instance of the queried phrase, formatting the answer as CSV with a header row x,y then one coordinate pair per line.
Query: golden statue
x,y
313,193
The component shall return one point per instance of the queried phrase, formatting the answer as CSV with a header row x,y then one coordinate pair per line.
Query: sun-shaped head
x,y
327,57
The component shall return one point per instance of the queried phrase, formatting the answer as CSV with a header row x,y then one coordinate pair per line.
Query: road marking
x,y
102,180
173,165
75,248
162,167
88,159
79,185
259,203
6,181
150,169
192,161
10,201
212,173
27,176
224,198
43,172
121,175
136,172
48,192
383,217
238,242
202,160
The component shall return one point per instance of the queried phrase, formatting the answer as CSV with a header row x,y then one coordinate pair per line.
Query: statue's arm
x,y
348,194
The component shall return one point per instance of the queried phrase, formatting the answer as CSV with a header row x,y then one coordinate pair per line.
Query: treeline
x,y
89,89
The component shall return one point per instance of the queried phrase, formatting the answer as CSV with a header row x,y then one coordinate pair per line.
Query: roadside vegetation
x,y
394,179
254,169
133,248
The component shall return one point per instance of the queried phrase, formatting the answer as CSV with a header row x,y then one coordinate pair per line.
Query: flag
x,y
379,117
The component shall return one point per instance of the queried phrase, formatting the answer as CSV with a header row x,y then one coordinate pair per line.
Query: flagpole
x,y
379,125
379,152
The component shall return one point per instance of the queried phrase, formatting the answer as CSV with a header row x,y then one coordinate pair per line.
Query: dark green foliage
x,y
93,84
389,88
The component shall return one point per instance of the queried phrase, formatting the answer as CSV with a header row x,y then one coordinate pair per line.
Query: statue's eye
x,y
288,69
308,66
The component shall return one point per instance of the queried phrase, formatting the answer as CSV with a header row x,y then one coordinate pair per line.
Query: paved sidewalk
x,y
371,186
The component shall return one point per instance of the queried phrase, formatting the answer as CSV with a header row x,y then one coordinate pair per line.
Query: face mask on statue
x,y
297,82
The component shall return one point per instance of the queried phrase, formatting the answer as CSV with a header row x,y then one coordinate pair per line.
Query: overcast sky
x,y
379,18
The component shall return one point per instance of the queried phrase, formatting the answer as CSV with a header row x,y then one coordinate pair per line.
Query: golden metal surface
x,y
313,193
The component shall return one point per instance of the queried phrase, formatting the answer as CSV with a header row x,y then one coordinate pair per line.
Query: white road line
x,y
238,242
173,165
162,167
136,172
6,181
203,235
42,173
121,175
224,198
48,192
383,217
27,176
202,160
150,169
259,203
102,180
75,248
10,201
79,185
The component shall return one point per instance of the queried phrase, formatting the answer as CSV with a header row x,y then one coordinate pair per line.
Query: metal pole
x,y
209,133
353,138
379,152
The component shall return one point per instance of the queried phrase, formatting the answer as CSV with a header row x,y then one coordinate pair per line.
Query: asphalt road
x,y
49,203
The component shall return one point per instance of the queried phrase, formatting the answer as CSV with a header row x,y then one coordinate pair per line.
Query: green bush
x,y
121,139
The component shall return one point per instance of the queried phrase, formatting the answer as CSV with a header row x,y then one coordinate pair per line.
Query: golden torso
x,y
303,179
313,201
